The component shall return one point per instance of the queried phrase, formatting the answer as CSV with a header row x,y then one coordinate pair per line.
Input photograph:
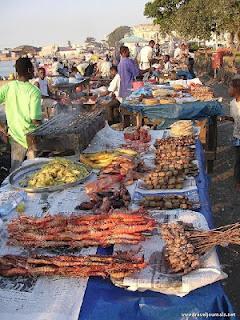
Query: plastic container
x,y
9,200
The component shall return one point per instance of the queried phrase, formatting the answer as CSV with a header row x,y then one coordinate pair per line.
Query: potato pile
x,y
166,202
175,141
161,179
179,253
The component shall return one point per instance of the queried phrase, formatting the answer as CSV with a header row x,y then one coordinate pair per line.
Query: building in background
x,y
49,50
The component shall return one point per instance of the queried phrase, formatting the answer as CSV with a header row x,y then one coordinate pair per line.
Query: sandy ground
x,y
225,200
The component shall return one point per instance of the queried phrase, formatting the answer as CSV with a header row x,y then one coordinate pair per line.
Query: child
x,y
234,91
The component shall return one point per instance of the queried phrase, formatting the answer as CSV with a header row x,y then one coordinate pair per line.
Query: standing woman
x,y
128,71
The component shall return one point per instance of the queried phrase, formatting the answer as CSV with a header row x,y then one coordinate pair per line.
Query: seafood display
x,y
137,139
105,201
56,172
137,134
103,183
116,266
166,202
102,159
80,230
181,128
121,165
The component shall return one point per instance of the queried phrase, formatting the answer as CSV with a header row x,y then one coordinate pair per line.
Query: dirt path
x,y
225,200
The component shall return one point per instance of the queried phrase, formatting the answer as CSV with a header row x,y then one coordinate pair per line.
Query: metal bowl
x,y
23,174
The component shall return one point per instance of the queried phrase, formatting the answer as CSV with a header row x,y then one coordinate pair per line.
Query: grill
x,y
67,132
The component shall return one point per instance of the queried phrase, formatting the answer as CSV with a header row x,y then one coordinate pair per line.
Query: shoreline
x,y
7,59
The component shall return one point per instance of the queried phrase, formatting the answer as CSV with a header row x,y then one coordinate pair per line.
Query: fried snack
x,y
160,179
57,172
166,202
181,128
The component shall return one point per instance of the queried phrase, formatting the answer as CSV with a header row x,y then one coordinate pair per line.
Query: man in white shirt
x,y
146,55
56,67
167,64
42,83
113,90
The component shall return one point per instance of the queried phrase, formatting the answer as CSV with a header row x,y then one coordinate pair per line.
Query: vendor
x,y
113,90
182,52
56,67
146,55
23,110
42,83
128,71
105,67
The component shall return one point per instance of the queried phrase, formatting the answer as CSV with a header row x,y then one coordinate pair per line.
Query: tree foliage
x,y
115,36
195,18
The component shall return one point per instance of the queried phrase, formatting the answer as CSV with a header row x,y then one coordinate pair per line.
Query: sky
x,y
43,22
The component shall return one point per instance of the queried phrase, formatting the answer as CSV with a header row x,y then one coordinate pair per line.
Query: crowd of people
x,y
25,97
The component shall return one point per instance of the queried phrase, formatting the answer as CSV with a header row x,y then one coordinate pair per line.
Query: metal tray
x,y
24,172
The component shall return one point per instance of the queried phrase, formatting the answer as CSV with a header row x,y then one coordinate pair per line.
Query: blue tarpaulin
x,y
104,301
190,110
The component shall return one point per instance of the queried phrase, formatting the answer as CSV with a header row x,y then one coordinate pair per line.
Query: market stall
x,y
136,289
164,104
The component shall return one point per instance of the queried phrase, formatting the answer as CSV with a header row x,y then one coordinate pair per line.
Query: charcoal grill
x,y
67,133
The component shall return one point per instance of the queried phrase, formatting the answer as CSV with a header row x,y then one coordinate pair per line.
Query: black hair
x,y
190,61
114,68
55,59
74,69
167,56
23,65
123,49
151,42
41,68
235,83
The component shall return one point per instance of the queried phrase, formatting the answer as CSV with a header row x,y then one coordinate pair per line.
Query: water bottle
x,y
9,200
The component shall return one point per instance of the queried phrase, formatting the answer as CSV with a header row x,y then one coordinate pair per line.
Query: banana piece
x,y
129,152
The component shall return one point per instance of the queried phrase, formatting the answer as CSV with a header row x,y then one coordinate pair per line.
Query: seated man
x,y
167,68
42,83
113,91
